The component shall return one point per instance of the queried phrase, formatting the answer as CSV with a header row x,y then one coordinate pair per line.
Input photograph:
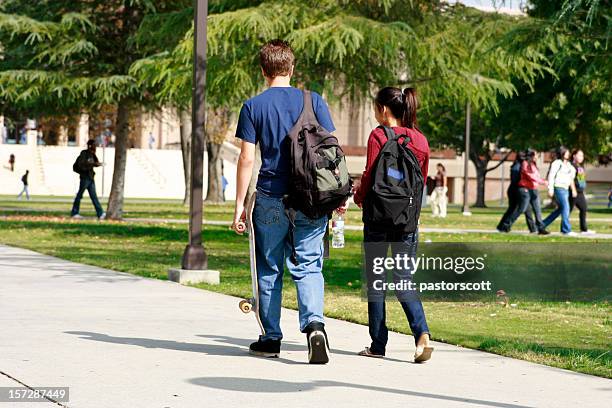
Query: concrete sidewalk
x,y
118,340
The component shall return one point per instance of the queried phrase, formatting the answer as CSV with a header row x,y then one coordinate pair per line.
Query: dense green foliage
x,y
569,104
532,81
348,49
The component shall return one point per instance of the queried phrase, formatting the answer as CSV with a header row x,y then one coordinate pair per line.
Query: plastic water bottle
x,y
338,232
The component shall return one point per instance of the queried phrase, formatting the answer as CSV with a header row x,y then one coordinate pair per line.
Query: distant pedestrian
x,y
438,199
514,198
560,186
12,162
610,197
151,140
224,183
580,183
23,136
84,166
528,192
24,180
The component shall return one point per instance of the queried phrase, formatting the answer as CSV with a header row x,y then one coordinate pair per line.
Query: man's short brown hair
x,y
276,58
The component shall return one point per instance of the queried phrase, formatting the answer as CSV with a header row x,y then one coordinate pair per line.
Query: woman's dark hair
x,y
441,165
529,155
561,150
403,104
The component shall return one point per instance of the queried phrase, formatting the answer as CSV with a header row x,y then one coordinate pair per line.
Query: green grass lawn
x,y
575,336
600,219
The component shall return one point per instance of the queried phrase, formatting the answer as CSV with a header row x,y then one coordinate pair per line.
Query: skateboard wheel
x,y
245,306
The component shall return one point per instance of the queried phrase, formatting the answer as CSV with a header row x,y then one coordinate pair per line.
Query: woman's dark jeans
x,y
528,197
514,201
376,245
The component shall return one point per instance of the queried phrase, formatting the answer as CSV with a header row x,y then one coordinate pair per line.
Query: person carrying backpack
x,y
390,195
83,166
289,226
24,180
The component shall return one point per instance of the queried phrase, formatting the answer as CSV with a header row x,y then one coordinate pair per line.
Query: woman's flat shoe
x,y
423,354
368,353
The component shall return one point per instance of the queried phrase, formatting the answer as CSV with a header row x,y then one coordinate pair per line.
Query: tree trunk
x,y
185,130
215,173
115,199
481,177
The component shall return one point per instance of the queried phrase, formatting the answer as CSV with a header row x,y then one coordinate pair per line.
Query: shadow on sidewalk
x,y
237,347
258,385
209,349
288,346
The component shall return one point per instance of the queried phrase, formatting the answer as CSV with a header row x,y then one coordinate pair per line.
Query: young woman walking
x,y
438,196
560,186
580,183
396,109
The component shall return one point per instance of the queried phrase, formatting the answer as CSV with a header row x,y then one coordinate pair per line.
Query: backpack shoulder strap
x,y
397,137
389,133
308,114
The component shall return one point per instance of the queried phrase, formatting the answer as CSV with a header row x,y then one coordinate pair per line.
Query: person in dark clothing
x,y
24,180
514,198
528,191
86,162
580,182
12,162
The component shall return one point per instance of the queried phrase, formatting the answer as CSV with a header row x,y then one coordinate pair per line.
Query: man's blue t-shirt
x,y
267,119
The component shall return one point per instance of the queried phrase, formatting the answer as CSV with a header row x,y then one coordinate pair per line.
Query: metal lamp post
x,y
195,262
466,159
194,256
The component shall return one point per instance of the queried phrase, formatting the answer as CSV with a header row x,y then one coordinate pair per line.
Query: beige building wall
x,y
82,131
353,123
163,125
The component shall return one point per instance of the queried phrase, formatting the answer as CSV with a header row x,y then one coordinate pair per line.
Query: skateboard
x,y
252,304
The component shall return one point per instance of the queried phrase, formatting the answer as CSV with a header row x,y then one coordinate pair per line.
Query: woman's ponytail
x,y
403,104
411,104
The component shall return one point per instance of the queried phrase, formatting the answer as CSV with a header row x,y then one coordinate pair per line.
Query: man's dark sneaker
x,y
503,230
543,232
318,345
265,348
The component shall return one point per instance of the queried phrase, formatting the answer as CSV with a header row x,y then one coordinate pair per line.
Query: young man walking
x,y
85,164
266,120
24,180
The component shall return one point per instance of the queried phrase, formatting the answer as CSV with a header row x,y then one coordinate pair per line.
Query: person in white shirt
x,y
560,182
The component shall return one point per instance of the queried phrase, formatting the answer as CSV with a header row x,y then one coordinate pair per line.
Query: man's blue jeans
x,y
273,251
563,209
87,183
376,245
